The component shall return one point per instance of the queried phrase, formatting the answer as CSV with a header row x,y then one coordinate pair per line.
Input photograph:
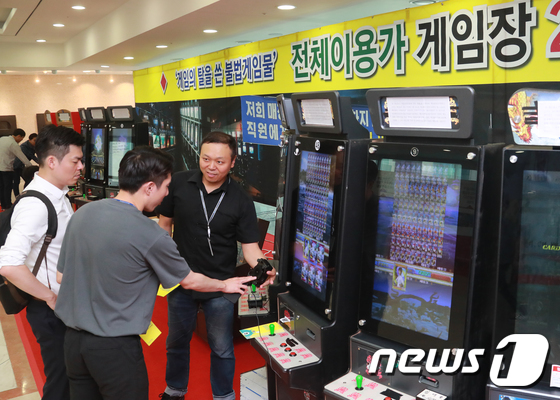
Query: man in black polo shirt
x,y
210,213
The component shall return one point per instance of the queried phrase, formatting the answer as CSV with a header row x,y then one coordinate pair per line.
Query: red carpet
x,y
199,384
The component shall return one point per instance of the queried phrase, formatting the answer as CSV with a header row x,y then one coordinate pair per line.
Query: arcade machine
x,y
96,128
429,251
323,227
64,118
529,256
110,133
126,131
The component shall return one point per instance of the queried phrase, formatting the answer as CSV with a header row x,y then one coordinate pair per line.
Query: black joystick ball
x,y
259,272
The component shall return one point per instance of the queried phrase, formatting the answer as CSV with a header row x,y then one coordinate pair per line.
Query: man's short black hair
x,y
144,164
19,132
32,136
56,141
221,137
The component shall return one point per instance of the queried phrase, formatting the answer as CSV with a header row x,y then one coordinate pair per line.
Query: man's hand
x,y
51,301
271,278
236,285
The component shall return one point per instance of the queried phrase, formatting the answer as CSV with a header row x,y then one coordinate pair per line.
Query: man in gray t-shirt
x,y
111,263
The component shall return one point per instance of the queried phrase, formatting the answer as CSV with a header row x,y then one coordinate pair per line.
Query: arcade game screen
x,y
538,281
416,245
97,154
313,222
121,142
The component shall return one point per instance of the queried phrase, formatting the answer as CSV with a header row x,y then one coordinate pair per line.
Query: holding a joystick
x,y
262,272
209,213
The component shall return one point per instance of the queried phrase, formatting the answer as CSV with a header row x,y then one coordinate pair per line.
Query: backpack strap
x,y
52,226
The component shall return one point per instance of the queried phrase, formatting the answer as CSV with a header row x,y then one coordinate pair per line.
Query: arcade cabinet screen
x,y
416,245
538,281
121,142
317,112
313,222
97,154
434,112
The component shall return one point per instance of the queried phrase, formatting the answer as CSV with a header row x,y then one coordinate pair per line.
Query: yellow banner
x,y
456,42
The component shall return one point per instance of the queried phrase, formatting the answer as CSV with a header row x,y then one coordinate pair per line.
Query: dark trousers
x,y
182,313
109,368
6,182
49,332
16,181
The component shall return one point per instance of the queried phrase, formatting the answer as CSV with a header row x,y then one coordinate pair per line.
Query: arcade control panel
x,y
254,302
283,348
353,386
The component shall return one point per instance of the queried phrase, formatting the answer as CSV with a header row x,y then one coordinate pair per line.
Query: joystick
x,y
359,382
260,272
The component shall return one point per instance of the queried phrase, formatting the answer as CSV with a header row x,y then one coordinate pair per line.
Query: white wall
x,y
21,96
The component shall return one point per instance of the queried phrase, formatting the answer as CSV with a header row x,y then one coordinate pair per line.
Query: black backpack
x,y
13,299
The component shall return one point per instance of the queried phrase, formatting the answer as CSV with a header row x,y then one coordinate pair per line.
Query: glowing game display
x,y
121,142
416,245
313,222
97,154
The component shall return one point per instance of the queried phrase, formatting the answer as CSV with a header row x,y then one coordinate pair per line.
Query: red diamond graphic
x,y
163,82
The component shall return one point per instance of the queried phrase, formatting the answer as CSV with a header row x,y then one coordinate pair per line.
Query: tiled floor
x,y
16,378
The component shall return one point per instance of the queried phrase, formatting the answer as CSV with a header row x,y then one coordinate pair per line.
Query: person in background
x,y
28,148
28,174
9,150
59,151
109,281
210,213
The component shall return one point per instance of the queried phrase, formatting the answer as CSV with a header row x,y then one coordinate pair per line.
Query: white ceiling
x,y
108,30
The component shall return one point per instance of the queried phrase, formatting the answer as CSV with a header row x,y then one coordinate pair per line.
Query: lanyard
x,y
208,220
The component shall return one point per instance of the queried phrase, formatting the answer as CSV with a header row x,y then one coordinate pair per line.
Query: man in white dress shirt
x,y
59,151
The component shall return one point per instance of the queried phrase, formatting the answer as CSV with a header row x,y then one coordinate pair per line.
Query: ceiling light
x,y
58,25
129,58
161,46
78,7
86,71
422,2
286,7
104,66
40,40
210,31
